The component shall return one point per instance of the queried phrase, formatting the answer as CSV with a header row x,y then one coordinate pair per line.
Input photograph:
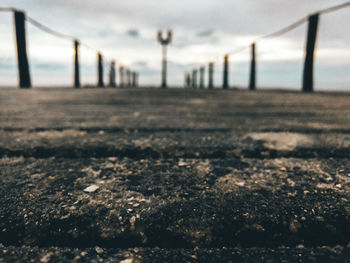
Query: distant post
x,y
194,79
112,75
252,80
201,77
164,42
211,75
76,64
225,80
128,78
310,50
187,80
121,77
100,70
137,79
134,79
23,66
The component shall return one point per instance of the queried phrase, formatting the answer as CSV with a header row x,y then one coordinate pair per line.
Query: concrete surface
x,y
147,175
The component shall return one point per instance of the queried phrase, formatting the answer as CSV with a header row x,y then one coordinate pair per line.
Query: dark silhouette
x,y
100,83
112,75
164,42
128,78
201,77
252,79
23,66
194,79
76,65
187,80
121,77
211,75
225,80
134,79
310,50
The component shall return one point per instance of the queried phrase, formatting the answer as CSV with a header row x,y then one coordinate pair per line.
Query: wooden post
x,y
310,50
201,77
128,78
252,80
187,80
137,80
134,79
164,42
112,75
211,75
126,83
225,80
22,58
100,71
194,79
121,77
164,67
76,65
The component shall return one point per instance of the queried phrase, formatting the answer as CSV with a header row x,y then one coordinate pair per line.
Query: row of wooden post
x,y
307,85
131,78
127,78
191,78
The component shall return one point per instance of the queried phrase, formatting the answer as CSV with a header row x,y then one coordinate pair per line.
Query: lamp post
x,y
164,42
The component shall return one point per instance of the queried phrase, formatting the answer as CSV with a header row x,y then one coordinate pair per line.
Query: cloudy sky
x,y
204,30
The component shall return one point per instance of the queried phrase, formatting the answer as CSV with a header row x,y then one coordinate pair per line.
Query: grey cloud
x,y
141,64
8,67
134,33
182,42
205,33
49,66
145,69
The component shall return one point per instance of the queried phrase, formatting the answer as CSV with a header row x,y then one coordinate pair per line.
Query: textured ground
x,y
106,175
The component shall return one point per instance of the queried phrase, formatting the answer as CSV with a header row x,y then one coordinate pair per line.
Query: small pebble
x,y
240,183
113,159
46,258
182,163
91,188
99,250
